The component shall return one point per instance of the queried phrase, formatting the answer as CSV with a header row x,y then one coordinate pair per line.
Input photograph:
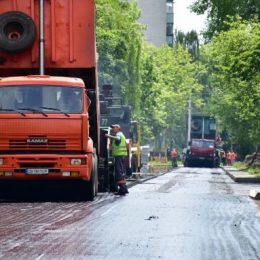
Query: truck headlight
x,y
1,161
77,161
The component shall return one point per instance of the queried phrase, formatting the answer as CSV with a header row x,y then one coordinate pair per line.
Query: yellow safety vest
x,y
119,146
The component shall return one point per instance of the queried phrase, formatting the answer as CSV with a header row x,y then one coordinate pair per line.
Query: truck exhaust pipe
x,y
41,40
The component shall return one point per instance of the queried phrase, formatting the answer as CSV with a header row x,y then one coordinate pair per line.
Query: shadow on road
x,y
39,192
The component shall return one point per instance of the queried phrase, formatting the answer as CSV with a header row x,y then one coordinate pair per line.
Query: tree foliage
x,y
119,40
233,60
168,78
157,82
219,11
190,41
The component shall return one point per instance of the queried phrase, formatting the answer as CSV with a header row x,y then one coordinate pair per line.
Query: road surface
x,y
188,213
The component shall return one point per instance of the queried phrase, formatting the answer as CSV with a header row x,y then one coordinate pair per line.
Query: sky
x,y
186,21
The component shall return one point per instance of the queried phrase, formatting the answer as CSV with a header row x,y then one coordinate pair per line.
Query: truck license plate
x,y
37,171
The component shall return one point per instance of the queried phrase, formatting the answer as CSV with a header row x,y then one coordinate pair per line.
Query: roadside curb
x,y
240,176
244,177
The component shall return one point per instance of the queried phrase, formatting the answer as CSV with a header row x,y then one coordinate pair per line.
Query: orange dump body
x,y
42,142
69,35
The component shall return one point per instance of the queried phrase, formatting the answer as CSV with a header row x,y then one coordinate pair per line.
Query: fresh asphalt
x,y
233,173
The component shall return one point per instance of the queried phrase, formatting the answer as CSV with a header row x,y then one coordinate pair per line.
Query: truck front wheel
x,y
17,32
187,163
89,188
93,183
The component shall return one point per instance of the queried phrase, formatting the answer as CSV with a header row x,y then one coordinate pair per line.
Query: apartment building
x,y
157,15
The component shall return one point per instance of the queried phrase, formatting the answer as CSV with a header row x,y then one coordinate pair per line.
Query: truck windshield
x,y
203,143
42,99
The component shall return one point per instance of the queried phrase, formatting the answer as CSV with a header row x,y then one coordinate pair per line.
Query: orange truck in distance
x,y
49,109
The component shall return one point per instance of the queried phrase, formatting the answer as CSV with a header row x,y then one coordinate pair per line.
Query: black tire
x,y
134,163
93,183
212,165
89,188
112,180
96,174
17,32
186,164
189,164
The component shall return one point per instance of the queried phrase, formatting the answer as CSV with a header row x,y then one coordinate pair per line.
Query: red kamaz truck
x,y
202,148
49,109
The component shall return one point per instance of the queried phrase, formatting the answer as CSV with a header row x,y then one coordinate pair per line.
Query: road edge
x,y
244,177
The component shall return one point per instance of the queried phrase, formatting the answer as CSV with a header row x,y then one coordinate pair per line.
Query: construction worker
x,y
233,157
229,158
119,151
223,157
174,155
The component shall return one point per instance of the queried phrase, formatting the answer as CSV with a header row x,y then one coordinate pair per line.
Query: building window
x,y
170,40
169,17
169,29
169,7
169,21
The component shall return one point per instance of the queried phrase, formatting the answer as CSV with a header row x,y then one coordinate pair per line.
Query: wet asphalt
x,y
186,213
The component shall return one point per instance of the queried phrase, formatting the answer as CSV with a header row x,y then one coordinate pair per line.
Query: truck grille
x,y
50,145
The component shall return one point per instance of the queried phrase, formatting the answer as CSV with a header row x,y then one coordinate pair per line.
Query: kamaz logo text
x,y
37,141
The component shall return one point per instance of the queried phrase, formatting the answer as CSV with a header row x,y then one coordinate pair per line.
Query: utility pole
x,y
189,121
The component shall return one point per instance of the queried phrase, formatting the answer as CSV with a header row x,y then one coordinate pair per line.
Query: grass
x,y
254,170
168,163
158,163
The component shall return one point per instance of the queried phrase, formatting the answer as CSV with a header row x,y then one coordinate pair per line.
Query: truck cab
x,y
201,152
49,122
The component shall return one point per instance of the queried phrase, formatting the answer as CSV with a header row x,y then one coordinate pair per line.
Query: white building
x,y
157,15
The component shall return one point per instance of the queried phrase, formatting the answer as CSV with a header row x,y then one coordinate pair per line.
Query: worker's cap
x,y
116,125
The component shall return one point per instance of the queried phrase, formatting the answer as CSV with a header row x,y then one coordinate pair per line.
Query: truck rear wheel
x,y
17,32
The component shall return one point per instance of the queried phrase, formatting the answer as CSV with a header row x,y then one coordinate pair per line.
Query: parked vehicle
x,y
43,137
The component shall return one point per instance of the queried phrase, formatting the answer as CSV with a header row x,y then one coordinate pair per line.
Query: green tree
x,y
168,78
157,82
190,41
119,41
218,12
233,60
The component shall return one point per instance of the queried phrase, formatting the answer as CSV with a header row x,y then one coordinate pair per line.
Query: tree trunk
x,y
254,156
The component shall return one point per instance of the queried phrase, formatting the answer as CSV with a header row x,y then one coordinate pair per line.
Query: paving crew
x,y
223,157
233,157
119,151
228,158
174,155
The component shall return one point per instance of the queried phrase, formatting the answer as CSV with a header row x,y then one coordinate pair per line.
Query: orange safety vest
x,y
233,156
174,153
